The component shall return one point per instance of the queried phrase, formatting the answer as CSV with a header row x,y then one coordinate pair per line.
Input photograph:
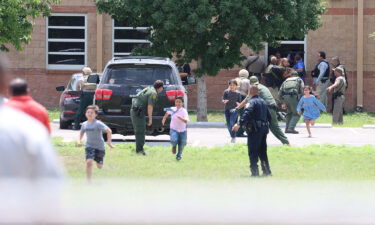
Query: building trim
x,y
348,11
73,9
360,50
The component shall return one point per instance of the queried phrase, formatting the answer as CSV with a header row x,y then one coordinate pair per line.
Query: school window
x,y
66,41
288,49
126,38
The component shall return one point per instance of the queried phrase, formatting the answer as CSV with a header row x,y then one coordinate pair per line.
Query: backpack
x,y
291,85
88,86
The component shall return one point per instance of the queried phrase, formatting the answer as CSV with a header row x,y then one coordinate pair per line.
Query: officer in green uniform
x,y
265,94
145,100
290,92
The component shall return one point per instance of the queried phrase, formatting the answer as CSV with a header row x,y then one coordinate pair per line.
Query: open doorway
x,y
288,49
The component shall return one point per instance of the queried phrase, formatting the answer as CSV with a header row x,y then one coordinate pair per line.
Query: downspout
x,y
360,46
99,42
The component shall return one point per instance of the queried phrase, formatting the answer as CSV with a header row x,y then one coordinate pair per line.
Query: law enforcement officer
x,y
273,78
145,100
335,62
266,95
290,92
338,96
256,118
320,77
86,96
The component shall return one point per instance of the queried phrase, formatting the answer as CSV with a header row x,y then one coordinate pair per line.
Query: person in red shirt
x,y
22,101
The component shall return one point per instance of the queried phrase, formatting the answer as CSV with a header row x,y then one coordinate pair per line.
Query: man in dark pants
x,y
86,97
142,103
256,119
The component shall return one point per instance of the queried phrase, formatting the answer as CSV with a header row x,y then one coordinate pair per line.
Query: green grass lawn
x,y
350,119
54,114
315,162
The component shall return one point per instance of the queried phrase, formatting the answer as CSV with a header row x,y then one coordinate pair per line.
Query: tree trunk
x,y
202,100
201,96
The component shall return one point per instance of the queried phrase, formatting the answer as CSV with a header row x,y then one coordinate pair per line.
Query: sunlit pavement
x,y
219,136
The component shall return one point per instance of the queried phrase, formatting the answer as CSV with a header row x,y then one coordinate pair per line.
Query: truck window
x,y
138,75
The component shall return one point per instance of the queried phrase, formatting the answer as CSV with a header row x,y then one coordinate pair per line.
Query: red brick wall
x,y
42,85
216,86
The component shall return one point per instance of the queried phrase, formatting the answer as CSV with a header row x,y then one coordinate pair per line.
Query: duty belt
x,y
337,94
289,93
260,123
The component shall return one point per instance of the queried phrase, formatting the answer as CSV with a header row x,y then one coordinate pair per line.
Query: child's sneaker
x,y
178,158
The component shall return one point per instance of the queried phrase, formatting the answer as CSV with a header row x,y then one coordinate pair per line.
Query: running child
x,y
311,108
179,119
231,98
95,146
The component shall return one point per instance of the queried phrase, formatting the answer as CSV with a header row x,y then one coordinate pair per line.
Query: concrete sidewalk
x,y
223,125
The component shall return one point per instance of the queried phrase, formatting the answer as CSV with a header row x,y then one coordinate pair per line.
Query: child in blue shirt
x,y
311,108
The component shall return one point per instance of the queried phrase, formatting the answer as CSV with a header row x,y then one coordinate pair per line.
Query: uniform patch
x,y
154,96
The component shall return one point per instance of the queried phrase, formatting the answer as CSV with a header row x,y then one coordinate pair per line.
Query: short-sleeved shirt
x,y
147,96
28,105
176,123
94,134
342,85
233,97
299,65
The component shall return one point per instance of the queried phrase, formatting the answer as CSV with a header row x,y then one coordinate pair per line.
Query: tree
x,y
15,24
213,31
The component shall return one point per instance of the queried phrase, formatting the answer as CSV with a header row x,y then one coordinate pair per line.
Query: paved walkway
x,y
219,136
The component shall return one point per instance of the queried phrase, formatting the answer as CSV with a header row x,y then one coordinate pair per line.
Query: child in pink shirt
x,y
179,119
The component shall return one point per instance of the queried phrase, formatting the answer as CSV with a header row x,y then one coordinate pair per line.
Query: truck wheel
x,y
64,124
105,136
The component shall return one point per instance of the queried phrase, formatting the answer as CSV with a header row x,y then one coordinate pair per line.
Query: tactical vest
x,y
291,86
316,71
88,86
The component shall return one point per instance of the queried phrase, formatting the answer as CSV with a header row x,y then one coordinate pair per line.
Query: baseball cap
x,y
254,80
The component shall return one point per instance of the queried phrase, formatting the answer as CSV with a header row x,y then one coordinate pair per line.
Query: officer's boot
x,y
254,172
266,168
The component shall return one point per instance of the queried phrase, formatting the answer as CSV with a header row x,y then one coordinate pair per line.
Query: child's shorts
x,y
95,154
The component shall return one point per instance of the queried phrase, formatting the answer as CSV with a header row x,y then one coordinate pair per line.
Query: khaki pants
x,y
321,89
338,110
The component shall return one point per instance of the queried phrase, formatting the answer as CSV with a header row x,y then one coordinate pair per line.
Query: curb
x,y
368,126
223,125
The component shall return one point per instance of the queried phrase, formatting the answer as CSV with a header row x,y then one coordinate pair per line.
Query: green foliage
x,y
15,20
315,162
215,30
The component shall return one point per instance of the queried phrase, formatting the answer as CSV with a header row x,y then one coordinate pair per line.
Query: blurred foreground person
x,y
256,119
21,100
26,151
